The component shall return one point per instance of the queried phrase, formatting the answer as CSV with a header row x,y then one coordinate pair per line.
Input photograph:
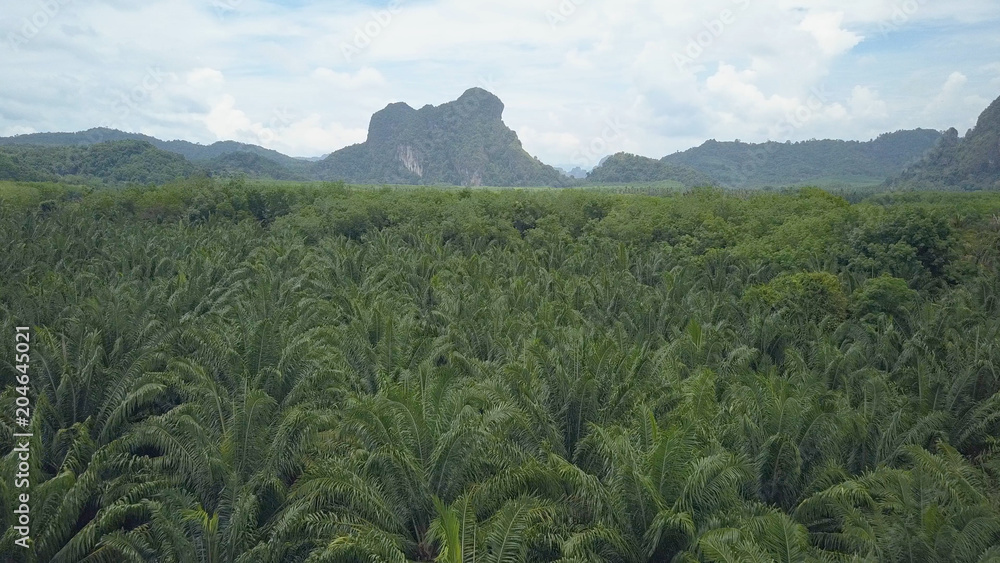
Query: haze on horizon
x,y
580,78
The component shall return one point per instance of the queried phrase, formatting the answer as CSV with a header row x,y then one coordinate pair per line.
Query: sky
x,y
580,79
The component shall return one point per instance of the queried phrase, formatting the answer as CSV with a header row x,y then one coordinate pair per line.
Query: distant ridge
x,y
465,142
126,161
747,165
223,158
625,167
191,151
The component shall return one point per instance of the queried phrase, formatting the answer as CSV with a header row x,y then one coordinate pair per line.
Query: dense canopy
x,y
232,372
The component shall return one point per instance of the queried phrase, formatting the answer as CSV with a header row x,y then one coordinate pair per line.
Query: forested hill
x,y
192,151
113,162
130,162
972,163
96,155
464,142
823,162
625,167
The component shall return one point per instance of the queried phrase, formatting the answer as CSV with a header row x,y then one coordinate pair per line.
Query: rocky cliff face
x,y
463,142
971,163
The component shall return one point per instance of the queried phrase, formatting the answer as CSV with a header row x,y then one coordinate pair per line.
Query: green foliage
x,y
883,295
111,156
809,295
254,165
908,243
624,168
117,162
191,151
237,371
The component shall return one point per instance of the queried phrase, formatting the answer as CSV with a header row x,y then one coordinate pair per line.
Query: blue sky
x,y
580,78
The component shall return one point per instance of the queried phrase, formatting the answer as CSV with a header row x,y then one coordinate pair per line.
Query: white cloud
x,y
301,137
274,74
866,102
280,130
826,29
950,91
993,70
227,122
955,82
16,130
555,141
205,77
366,77
955,105
577,60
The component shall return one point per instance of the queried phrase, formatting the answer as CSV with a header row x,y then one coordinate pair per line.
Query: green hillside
x,y
744,165
191,151
254,165
125,162
624,167
970,163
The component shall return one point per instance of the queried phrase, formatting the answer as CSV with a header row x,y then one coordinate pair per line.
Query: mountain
x,y
970,163
312,158
824,162
192,151
120,162
464,142
572,171
624,167
254,165
221,158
